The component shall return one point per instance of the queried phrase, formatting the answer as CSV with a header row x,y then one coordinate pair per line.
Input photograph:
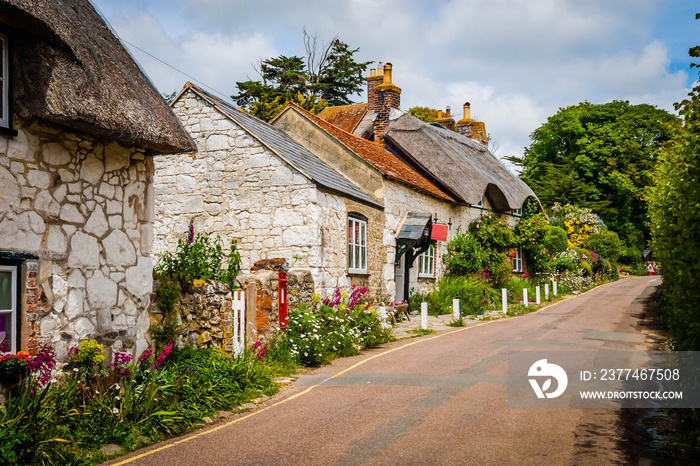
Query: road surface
x,y
438,399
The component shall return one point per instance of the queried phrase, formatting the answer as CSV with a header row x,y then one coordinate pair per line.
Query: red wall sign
x,y
439,232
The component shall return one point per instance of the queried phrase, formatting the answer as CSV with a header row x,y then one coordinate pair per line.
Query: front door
x,y
8,307
399,279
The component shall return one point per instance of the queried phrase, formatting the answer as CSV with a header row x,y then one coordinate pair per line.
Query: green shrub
x,y
606,243
587,269
630,255
555,240
200,258
474,295
515,290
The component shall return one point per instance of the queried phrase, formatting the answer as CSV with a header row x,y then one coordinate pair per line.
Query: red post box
x,y
282,293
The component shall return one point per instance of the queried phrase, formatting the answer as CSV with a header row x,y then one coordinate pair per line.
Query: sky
x,y
516,61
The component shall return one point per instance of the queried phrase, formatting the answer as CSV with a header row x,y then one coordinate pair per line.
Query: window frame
x,y
14,310
518,212
517,260
5,79
357,244
427,258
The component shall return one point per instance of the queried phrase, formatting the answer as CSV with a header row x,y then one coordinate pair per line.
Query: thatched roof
x,y
463,167
70,69
376,154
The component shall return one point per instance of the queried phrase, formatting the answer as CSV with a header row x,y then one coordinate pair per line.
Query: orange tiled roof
x,y
378,156
345,117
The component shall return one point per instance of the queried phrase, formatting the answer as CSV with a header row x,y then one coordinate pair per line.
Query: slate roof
x,y
377,156
292,152
462,166
70,69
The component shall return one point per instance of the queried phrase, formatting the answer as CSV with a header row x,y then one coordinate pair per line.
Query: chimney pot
x,y
372,73
439,115
387,73
467,111
380,71
448,111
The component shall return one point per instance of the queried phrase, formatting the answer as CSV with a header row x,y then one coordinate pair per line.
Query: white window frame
x,y
480,204
13,307
5,83
357,245
518,212
426,263
517,261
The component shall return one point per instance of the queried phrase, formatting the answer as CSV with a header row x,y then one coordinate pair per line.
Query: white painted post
x,y
424,315
546,291
455,309
537,294
239,311
504,300
554,288
525,296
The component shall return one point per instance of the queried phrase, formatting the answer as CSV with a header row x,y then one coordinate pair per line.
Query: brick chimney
x,y
381,99
472,129
446,120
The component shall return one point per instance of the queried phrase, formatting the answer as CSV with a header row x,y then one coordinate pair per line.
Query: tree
x,y
600,157
328,74
426,114
674,207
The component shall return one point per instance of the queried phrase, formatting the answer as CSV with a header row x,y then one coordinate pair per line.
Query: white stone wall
x,y
238,189
401,199
85,210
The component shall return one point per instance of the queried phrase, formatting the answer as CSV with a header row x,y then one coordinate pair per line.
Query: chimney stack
x,y
446,120
381,99
472,129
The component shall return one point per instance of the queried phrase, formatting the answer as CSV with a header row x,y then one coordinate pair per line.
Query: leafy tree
x,y
426,114
674,206
600,157
328,74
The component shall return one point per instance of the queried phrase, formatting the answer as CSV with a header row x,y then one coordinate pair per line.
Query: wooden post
x,y
455,309
537,294
423,315
554,288
546,291
504,300
525,302
250,311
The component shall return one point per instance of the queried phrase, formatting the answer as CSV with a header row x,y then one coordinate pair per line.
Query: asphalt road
x,y
439,399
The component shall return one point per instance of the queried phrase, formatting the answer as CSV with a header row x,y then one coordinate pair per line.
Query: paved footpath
x,y
438,399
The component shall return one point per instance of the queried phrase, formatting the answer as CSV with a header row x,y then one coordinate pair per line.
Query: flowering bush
x,y
87,358
339,326
530,234
579,222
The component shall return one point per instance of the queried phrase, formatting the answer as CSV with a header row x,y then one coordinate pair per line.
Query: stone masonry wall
x,y
81,211
234,187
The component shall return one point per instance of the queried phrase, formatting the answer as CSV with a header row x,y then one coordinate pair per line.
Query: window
x,y
517,260
518,212
8,307
5,117
479,204
426,263
357,244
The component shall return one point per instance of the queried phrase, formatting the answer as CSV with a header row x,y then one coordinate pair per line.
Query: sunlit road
x,y
440,399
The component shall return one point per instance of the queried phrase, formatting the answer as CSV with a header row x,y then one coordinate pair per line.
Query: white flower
x,y
117,386
115,410
75,369
117,397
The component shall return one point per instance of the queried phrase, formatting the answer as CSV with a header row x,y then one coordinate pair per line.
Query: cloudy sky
x,y
516,61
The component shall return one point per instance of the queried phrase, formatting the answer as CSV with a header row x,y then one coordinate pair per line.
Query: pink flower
x,y
525,275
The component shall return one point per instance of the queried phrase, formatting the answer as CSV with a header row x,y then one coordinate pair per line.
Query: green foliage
x,y
69,420
555,240
530,235
326,75
566,260
606,243
516,287
674,205
600,157
202,259
474,295
426,114
340,326
587,268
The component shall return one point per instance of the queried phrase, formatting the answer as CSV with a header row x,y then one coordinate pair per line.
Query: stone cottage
x,y
251,183
79,126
